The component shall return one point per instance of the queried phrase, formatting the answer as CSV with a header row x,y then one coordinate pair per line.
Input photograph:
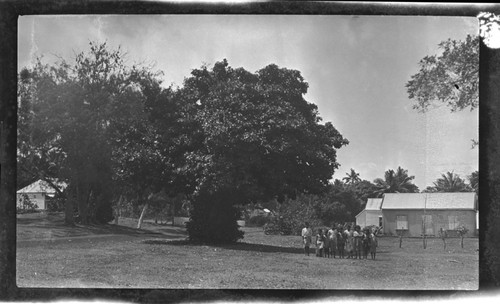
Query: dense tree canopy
x,y
82,122
450,78
261,139
227,137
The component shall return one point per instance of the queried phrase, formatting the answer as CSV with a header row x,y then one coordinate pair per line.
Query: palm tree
x,y
395,182
451,182
352,177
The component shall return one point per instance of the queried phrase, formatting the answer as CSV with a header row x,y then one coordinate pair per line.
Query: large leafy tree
x,y
449,78
395,182
260,140
74,117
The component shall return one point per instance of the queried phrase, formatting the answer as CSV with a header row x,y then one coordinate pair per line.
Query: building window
x,y
401,222
380,221
453,222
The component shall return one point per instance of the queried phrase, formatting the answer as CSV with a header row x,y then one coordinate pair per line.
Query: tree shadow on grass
x,y
58,228
237,246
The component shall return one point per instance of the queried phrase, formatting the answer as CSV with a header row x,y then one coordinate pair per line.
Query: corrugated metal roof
x,y
41,186
456,200
373,204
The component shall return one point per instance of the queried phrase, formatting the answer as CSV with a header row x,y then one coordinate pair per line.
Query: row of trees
x,y
227,137
400,182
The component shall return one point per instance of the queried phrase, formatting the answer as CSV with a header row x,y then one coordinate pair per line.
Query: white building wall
x,y
372,217
36,198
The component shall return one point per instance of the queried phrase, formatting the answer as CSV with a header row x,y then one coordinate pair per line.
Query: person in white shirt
x,y
307,237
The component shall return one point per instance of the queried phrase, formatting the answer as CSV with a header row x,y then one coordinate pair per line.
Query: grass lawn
x,y
50,254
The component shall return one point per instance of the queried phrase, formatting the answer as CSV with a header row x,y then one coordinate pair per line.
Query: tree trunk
x,y
141,218
462,241
68,212
117,209
82,198
117,214
173,213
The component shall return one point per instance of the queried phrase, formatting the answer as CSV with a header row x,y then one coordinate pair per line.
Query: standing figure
x,y
373,245
366,242
340,243
327,244
307,238
348,236
356,240
320,243
333,241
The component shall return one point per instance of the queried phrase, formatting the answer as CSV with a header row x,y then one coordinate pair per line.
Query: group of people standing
x,y
345,242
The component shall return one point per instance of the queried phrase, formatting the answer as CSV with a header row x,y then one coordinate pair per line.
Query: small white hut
x,y
38,193
372,214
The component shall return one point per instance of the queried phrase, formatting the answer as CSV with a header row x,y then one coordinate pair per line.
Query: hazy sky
x,y
356,67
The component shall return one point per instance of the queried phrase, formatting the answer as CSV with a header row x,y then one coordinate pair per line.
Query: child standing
x,y
307,237
355,246
373,245
348,242
366,243
340,243
327,245
333,242
320,243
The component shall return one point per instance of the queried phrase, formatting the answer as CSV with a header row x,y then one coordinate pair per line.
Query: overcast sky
x,y
356,67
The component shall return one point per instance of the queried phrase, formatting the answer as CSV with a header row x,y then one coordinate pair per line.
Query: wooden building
x,y
372,214
414,213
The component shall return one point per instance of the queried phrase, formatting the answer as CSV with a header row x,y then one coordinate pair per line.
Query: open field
x,y
52,255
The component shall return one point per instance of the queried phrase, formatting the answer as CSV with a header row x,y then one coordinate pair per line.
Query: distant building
x,y
38,193
411,213
372,214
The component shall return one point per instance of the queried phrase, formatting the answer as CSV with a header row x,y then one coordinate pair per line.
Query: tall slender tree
x,y
451,182
395,182
352,177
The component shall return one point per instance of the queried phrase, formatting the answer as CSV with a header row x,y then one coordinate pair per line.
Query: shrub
x,y
257,221
27,206
55,204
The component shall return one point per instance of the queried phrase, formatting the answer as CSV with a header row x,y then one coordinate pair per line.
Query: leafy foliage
x,y
260,138
75,120
450,78
449,182
474,181
26,206
352,177
395,182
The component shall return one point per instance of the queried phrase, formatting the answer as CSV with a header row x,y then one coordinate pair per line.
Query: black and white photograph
x,y
212,151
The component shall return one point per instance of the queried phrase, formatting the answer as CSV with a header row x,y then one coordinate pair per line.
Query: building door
x,y
427,225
